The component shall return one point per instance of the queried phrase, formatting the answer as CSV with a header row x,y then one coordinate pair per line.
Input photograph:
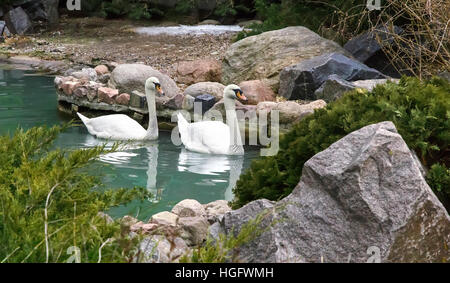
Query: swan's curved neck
x,y
232,122
152,130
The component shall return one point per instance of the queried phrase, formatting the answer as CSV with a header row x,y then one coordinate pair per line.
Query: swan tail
x,y
83,118
183,128
88,125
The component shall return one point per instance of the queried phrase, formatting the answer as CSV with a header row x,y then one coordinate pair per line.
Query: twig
x,y
6,258
101,247
46,222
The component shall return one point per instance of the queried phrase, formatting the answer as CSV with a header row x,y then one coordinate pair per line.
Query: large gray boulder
x,y
130,77
367,49
213,88
367,44
17,21
29,12
301,80
2,27
363,199
35,11
263,56
333,88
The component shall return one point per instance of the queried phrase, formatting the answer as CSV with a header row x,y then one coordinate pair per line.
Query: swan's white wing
x,y
208,137
116,126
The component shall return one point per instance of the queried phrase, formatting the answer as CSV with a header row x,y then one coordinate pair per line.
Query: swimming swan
x,y
214,137
122,127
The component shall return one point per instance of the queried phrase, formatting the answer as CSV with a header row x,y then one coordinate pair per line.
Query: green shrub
x,y
184,7
231,8
50,203
92,7
135,10
419,109
438,177
223,8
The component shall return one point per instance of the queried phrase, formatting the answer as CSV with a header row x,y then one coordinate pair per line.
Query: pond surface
x,y
170,172
189,30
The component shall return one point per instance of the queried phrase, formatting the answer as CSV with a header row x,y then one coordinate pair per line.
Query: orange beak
x,y
241,96
159,90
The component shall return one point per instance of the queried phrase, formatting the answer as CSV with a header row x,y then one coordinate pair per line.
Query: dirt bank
x,y
91,41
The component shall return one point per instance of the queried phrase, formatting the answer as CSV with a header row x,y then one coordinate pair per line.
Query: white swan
x,y
122,127
214,137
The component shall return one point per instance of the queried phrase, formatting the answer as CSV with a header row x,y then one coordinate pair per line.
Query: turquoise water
x,y
170,172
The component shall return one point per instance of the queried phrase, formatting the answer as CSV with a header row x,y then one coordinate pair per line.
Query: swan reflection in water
x,y
123,158
205,164
207,170
152,172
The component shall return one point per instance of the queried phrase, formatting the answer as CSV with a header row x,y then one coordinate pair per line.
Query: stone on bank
x,y
107,95
203,70
18,21
263,56
213,88
257,91
363,199
300,81
189,208
130,77
170,235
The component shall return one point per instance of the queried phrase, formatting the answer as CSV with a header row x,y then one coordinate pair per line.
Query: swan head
x,y
234,92
153,84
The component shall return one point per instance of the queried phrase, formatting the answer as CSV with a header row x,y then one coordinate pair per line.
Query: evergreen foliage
x,y
49,202
134,9
420,111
